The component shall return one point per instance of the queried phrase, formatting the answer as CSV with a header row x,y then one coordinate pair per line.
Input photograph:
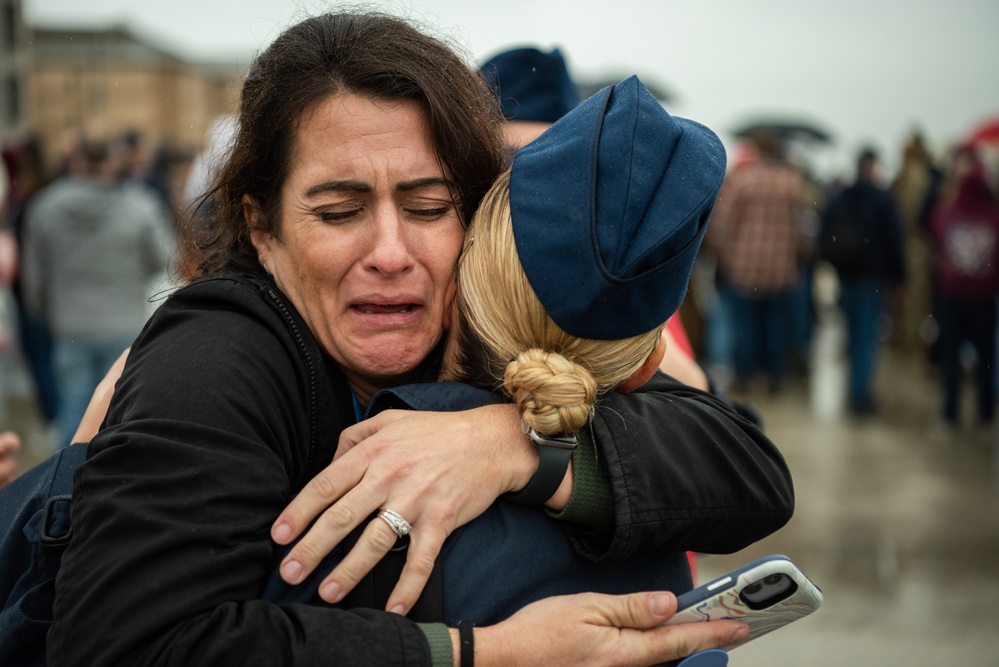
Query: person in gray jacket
x,y
92,248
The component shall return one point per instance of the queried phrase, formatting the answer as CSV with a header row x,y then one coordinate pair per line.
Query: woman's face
x,y
369,237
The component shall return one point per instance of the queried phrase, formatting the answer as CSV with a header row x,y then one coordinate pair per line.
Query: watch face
x,y
560,441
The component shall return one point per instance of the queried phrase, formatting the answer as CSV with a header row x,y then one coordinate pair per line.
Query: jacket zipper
x,y
312,373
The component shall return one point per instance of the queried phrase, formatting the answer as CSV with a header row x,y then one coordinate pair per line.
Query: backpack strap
x,y
34,516
50,524
54,527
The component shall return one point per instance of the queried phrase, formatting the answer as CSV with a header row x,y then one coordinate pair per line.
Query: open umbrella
x,y
784,129
986,133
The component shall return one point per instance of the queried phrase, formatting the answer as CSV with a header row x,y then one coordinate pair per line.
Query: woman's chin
x,y
389,365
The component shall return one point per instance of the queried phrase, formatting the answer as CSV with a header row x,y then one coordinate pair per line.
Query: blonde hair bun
x,y
554,394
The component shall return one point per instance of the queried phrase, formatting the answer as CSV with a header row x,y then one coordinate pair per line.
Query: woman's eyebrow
x,y
361,186
432,181
338,186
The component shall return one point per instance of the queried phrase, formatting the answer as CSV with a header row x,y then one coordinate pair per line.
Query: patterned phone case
x,y
720,598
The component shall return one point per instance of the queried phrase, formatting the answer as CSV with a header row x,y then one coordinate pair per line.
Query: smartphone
x,y
766,594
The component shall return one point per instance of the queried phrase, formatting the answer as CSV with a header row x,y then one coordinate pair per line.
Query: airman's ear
x,y
647,370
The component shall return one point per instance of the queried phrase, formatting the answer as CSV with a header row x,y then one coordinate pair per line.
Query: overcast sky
x,y
868,71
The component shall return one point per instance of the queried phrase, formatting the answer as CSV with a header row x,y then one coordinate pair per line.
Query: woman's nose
x,y
389,253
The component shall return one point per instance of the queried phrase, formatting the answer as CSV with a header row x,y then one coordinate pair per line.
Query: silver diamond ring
x,y
398,525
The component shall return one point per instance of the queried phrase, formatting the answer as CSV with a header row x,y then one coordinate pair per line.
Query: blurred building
x,y
61,77
130,83
13,68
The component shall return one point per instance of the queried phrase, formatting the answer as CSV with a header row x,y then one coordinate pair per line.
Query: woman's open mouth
x,y
374,309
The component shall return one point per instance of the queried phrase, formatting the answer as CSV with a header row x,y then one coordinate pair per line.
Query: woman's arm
x,y
687,473
678,468
97,409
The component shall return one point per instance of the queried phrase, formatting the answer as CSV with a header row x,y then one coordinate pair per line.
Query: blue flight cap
x,y
609,206
532,85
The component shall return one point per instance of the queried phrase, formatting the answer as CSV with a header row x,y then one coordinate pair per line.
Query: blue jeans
x,y
720,338
80,366
763,326
803,313
971,320
36,346
862,300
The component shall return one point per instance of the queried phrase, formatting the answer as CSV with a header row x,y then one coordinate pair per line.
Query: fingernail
x,y
291,571
659,604
398,609
741,634
282,533
330,592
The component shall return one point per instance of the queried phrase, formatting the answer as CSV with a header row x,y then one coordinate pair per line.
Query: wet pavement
x,y
897,521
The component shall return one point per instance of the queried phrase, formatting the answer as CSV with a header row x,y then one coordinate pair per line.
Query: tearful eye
x,y
434,212
338,216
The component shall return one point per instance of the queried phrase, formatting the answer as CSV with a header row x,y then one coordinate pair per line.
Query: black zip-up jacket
x,y
228,406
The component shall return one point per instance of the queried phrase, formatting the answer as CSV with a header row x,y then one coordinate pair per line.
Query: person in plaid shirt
x,y
757,238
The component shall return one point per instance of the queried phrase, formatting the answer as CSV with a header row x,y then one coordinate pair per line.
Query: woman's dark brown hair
x,y
372,55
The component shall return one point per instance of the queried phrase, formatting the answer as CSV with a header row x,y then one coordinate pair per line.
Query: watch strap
x,y
554,454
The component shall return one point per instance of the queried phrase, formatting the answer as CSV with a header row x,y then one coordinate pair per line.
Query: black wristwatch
x,y
554,454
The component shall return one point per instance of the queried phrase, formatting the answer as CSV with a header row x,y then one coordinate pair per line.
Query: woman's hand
x,y
97,409
595,629
438,470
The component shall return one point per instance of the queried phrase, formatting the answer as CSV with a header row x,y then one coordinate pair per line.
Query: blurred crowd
x,y
87,244
87,250
911,258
